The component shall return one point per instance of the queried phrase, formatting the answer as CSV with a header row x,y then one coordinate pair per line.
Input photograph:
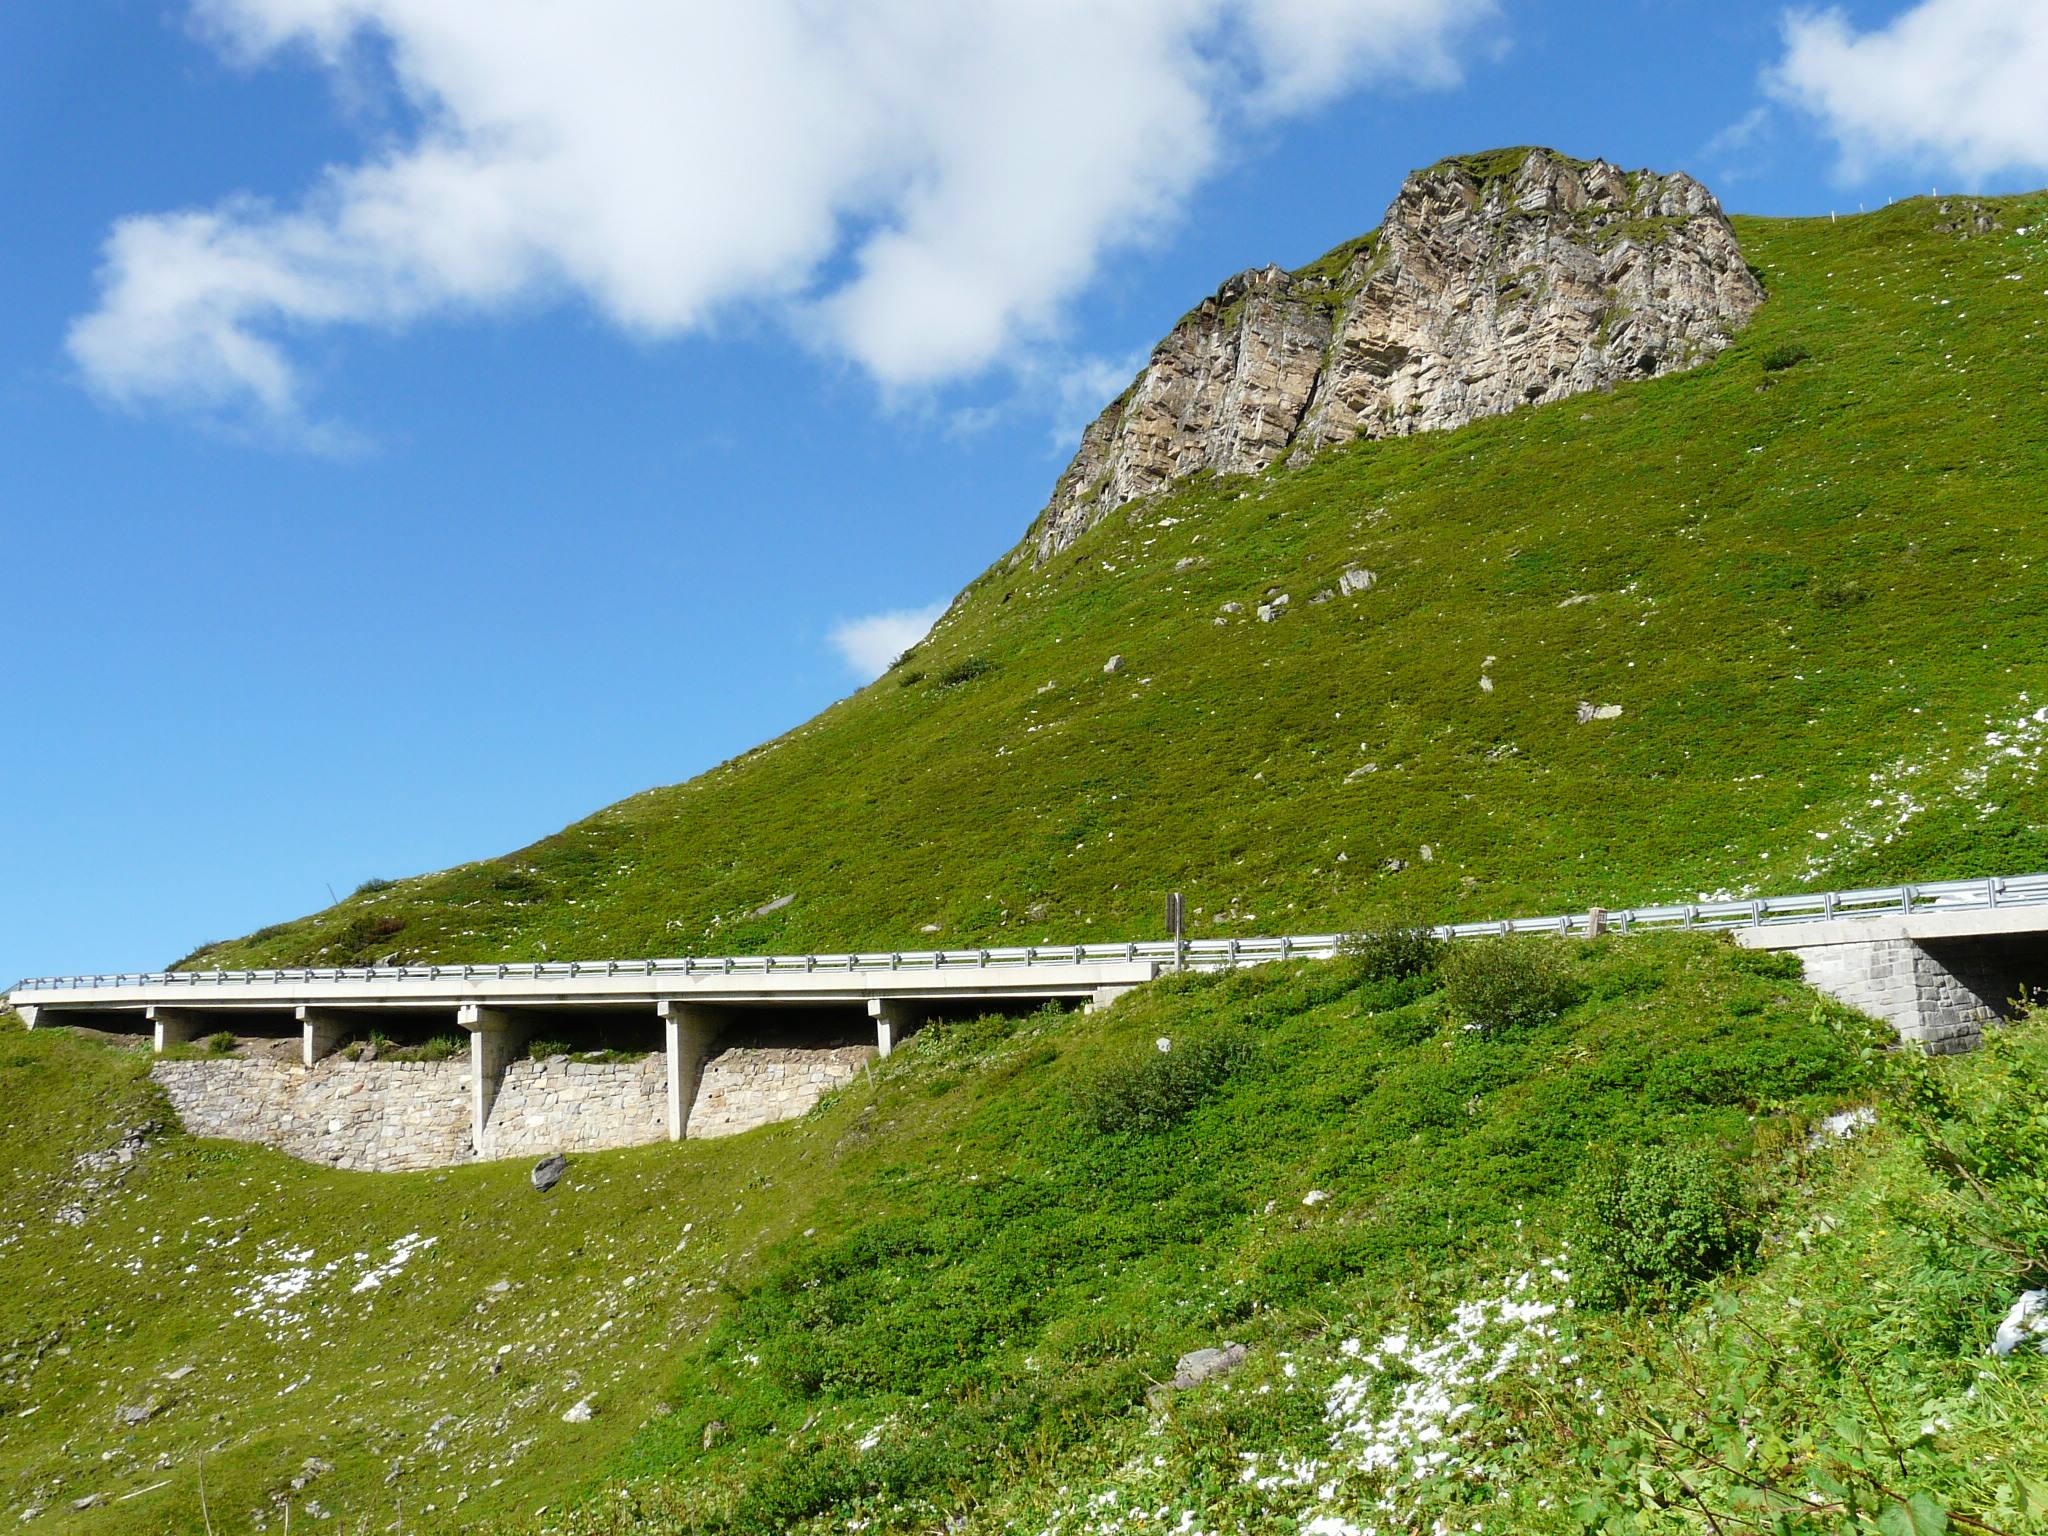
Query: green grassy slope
x,y
946,1291
1812,589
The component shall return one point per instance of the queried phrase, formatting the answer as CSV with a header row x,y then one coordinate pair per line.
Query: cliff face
x,y
1494,281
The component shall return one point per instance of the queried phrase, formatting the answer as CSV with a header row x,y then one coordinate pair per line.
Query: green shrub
x,y
221,1043
362,936
1837,594
911,678
1497,985
1146,1087
1394,953
1980,1127
542,1049
1647,1226
1787,354
373,886
965,671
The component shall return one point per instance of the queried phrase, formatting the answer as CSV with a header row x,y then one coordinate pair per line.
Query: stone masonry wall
x,y
393,1115
1899,982
383,1115
559,1105
746,1086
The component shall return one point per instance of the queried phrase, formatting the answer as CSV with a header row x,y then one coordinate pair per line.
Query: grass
x,y
961,1247
944,1296
1812,590
1818,605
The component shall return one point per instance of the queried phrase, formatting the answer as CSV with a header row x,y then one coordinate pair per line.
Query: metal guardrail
x,y
1196,954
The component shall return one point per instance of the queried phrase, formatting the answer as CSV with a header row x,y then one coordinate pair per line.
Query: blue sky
x,y
425,421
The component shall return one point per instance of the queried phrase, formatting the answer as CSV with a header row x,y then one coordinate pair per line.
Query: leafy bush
x,y
221,1043
362,936
1838,594
1982,1131
1497,985
1394,953
1787,354
1146,1087
1647,1226
965,671
373,886
911,678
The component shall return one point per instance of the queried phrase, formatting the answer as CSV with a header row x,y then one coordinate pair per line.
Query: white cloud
x,y
868,645
917,186
1734,151
1951,83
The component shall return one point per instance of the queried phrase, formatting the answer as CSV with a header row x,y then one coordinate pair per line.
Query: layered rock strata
x,y
1494,281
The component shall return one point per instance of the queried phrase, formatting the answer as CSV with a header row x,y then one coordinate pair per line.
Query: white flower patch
x,y
1842,1125
1901,791
1403,1414
1396,1415
401,1252
270,1297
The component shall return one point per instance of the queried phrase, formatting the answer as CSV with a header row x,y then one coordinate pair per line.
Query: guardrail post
x,y
1991,891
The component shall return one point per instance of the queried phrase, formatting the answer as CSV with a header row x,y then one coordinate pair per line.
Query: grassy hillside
x,y
944,1294
1805,572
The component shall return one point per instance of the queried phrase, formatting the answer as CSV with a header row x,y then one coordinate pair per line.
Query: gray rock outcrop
x,y
1494,281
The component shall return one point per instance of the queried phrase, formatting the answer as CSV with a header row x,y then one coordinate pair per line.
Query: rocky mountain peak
x,y
1494,281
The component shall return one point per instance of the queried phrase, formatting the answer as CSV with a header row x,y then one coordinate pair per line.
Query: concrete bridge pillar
x,y
896,1019
691,1029
28,1012
176,1026
495,1035
324,1029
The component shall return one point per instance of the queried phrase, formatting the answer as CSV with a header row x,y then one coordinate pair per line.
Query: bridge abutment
x,y
1938,979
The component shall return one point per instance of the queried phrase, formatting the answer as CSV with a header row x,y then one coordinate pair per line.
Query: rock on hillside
x,y
1494,281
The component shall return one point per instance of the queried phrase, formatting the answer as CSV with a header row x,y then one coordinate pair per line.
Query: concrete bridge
x,y
1935,960
503,1007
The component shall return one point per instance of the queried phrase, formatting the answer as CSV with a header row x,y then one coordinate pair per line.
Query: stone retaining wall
x,y
559,1105
391,1115
382,1115
746,1086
